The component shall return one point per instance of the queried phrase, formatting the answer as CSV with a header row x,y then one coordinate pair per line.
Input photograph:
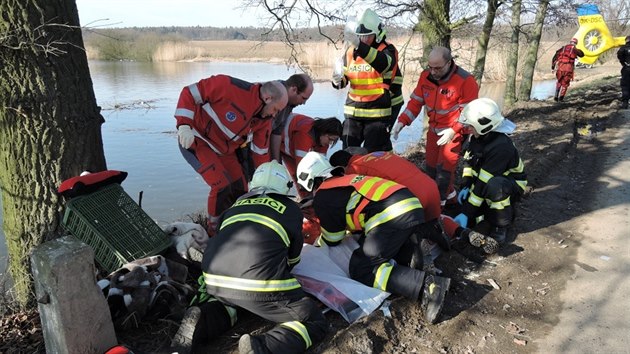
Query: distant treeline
x,y
141,43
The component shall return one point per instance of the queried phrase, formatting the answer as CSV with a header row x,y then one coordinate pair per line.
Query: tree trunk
x,y
484,39
50,124
512,60
532,53
434,24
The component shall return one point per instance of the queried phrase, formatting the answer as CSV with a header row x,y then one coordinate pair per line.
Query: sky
x,y
148,13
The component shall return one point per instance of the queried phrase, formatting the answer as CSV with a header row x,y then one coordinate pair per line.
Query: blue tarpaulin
x,y
587,9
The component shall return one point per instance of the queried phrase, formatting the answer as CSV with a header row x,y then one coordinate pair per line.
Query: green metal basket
x,y
115,226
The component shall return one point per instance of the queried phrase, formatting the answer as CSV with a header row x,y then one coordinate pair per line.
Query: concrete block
x,y
74,313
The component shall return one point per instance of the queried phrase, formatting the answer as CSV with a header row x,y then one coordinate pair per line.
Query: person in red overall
x,y
217,115
370,67
443,90
400,170
386,214
302,134
563,63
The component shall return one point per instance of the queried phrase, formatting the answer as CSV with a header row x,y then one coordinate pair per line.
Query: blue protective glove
x,y
463,195
461,219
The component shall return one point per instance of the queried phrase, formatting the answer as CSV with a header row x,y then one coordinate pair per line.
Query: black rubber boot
x,y
499,234
433,295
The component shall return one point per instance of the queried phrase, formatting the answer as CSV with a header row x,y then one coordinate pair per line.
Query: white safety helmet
x,y
370,23
271,177
483,114
313,165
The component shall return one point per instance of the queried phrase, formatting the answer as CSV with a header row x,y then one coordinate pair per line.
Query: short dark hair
x,y
300,81
340,158
323,126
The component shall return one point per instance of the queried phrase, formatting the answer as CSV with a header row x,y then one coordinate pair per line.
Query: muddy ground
x,y
559,143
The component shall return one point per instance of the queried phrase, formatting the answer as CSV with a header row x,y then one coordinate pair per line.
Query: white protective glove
x,y
337,76
185,136
396,130
446,136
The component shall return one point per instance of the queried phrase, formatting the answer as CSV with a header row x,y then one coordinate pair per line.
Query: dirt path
x,y
595,305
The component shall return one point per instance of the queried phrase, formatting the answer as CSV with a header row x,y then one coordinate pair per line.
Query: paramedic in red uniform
x,y
217,115
443,90
563,63
302,134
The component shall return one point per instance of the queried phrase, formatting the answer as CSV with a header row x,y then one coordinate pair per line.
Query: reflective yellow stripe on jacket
x,y
260,219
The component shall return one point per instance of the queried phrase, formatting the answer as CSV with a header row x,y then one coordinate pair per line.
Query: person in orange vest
x,y
374,99
563,63
215,117
443,90
387,215
400,170
302,134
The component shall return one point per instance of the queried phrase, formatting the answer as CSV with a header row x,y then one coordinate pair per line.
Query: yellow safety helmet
x,y
271,177
370,23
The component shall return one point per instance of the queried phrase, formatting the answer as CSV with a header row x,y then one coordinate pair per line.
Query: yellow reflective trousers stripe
x,y
382,276
300,329
222,281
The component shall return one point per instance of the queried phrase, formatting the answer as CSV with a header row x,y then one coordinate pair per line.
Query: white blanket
x,y
323,273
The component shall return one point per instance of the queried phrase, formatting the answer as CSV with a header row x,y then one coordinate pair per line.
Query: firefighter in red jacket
x,y
374,99
247,264
563,63
302,134
400,170
217,115
387,214
443,90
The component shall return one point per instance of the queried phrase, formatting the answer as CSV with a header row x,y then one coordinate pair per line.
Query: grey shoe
x,y
487,244
433,295
249,344
182,341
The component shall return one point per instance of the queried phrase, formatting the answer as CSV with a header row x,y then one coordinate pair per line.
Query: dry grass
x,y
319,57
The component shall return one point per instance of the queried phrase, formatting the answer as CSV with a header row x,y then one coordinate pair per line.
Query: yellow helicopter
x,y
594,37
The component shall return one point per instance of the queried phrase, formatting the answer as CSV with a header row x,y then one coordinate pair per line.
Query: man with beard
x,y
443,90
299,89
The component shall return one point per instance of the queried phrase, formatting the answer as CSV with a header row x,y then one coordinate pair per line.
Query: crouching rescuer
x,y
387,215
247,265
494,175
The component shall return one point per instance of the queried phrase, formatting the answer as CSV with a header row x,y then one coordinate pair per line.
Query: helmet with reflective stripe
x,y
313,165
370,23
483,114
271,177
